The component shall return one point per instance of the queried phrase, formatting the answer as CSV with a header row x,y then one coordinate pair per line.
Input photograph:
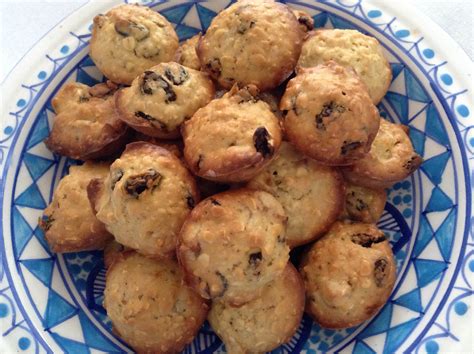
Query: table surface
x,y
23,23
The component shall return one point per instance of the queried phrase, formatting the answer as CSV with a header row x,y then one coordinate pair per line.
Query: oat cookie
x,y
187,55
86,125
251,42
162,98
391,159
330,116
68,222
112,251
351,49
364,204
349,274
265,323
311,194
129,39
151,318
232,138
233,244
145,199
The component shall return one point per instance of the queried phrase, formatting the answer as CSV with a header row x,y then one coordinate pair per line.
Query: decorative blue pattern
x,y
43,296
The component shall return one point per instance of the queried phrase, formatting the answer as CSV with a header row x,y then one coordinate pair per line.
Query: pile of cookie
x,y
208,164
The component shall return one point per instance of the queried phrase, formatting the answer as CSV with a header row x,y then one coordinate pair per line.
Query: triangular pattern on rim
x,y
31,197
41,269
57,310
396,335
205,15
428,270
40,130
435,166
423,237
94,338
23,232
445,234
411,300
176,14
438,201
380,324
434,127
36,165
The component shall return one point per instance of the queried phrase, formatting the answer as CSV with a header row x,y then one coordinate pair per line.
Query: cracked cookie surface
x,y
233,244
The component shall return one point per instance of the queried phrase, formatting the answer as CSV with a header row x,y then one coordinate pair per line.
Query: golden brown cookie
x,y
145,198
187,55
112,251
390,160
349,274
232,138
129,39
251,42
162,98
330,117
149,305
265,323
364,204
351,49
233,244
68,222
311,194
86,125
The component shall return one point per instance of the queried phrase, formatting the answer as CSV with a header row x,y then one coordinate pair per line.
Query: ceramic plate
x,y
53,303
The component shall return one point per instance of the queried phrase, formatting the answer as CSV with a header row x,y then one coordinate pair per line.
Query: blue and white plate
x,y
53,303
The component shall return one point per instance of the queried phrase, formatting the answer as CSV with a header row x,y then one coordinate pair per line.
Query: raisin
x,y
152,81
349,146
214,67
327,111
367,240
215,202
115,177
129,28
306,21
151,119
244,26
261,142
190,201
255,259
380,271
83,99
361,205
179,79
137,184
248,94
46,222
224,283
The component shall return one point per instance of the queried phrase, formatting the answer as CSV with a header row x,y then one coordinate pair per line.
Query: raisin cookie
x,y
330,116
364,204
187,55
349,274
162,98
86,125
232,138
390,160
265,323
311,194
251,42
145,198
151,318
112,251
69,223
304,19
351,49
129,39
233,244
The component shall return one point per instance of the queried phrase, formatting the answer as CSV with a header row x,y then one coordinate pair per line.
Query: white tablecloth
x,y
23,23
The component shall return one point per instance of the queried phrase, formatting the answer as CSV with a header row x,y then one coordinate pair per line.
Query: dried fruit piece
x,y
152,81
328,110
177,79
214,67
129,28
349,146
367,240
380,271
115,177
147,117
261,142
190,201
137,184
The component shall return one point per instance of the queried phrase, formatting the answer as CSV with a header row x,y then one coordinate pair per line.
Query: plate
x,y
53,303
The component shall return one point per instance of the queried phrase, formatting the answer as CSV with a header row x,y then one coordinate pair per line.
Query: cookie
x,y
112,251
390,160
175,146
145,198
233,244
68,222
349,275
330,116
151,318
86,125
311,194
162,98
129,39
208,188
304,19
351,49
187,55
364,204
265,323
232,138
251,42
